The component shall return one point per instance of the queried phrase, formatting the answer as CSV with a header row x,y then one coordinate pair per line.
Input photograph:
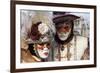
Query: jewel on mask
x,y
62,48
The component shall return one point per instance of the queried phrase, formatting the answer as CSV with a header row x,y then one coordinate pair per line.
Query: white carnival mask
x,y
43,50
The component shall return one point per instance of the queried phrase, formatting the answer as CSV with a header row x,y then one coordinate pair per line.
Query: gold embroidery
x,y
68,54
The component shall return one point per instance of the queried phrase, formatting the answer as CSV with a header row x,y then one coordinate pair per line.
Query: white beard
x,y
63,36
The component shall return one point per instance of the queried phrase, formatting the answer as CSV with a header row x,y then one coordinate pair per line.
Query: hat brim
x,y
65,18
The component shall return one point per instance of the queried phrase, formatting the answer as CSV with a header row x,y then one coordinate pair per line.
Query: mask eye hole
x,y
48,45
40,46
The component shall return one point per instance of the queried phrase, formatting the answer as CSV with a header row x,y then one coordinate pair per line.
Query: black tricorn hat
x,y
64,18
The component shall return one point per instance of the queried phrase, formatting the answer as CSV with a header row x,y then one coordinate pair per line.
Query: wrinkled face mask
x,y
43,50
63,31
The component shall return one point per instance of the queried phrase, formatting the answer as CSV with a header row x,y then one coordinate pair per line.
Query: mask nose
x,y
45,48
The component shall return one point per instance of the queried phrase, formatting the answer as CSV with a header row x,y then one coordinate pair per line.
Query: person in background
x,y
68,46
